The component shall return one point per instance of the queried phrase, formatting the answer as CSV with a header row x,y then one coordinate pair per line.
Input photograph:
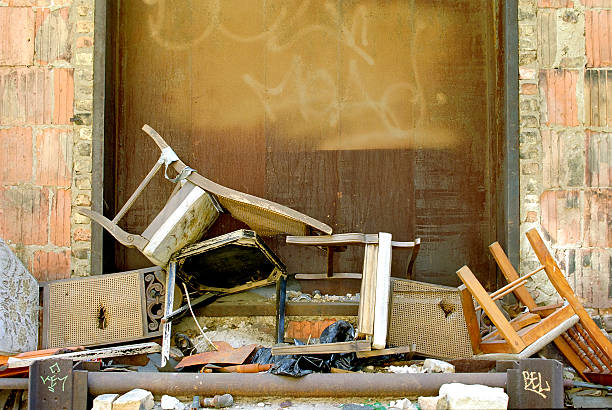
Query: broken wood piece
x,y
103,353
225,355
392,350
324,348
245,368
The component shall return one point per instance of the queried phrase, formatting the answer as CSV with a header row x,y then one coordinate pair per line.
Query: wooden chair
x,y
194,206
375,279
567,324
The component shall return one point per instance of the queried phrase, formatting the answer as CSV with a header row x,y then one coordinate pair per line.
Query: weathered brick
x,y
59,224
598,157
84,42
29,3
528,73
51,265
54,157
559,87
597,223
564,158
589,273
598,3
63,80
17,40
82,234
15,155
555,3
53,35
598,97
83,200
84,26
529,88
27,96
305,329
598,24
560,216
24,215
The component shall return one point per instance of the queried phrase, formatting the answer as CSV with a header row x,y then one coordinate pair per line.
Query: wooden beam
x,y
323,348
391,350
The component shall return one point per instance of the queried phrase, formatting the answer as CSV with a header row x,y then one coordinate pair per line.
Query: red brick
x,y
51,265
27,96
560,89
560,216
15,155
597,222
598,159
529,89
84,42
598,3
24,215
305,329
598,43
598,97
17,39
532,216
59,224
54,157
63,87
555,3
29,3
82,234
53,36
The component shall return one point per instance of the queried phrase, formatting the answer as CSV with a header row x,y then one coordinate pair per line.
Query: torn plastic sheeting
x,y
301,365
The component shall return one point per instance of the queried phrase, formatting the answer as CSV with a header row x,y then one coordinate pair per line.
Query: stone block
x,y
15,155
104,402
456,396
171,403
598,24
597,97
25,215
136,399
17,43
63,87
18,304
560,216
597,223
27,96
54,157
51,265
59,221
82,234
438,366
560,105
598,159
428,403
53,35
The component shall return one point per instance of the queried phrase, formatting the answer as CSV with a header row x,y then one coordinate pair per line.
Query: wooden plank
x,y
367,301
383,283
323,348
125,350
556,277
391,350
511,275
318,276
471,321
498,319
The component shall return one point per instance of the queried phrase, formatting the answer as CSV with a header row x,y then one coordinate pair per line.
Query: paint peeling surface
x,y
18,304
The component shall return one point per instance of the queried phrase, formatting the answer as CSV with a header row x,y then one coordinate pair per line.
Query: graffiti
x,y
533,382
53,379
273,36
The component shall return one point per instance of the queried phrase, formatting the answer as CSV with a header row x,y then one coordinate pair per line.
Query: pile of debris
x,y
86,353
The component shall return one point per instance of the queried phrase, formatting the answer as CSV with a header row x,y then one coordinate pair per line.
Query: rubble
x,y
437,366
458,396
136,399
104,401
171,403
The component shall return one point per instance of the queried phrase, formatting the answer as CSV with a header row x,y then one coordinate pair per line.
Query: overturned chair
x,y
194,206
567,324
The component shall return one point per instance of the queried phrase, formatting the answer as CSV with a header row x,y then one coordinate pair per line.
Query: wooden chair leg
x,y
515,343
511,275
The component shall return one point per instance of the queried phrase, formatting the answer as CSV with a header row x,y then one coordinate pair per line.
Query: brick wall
x,y
565,57
46,83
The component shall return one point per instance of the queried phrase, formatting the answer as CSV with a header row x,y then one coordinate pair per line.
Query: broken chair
x,y
567,324
193,207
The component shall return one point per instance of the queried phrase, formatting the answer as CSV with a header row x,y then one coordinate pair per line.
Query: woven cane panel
x,y
263,221
431,317
75,310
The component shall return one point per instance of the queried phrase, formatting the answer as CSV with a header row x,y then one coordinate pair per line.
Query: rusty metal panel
x,y
369,116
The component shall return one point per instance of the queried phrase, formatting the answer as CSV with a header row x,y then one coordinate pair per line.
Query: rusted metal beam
x,y
312,385
13,383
